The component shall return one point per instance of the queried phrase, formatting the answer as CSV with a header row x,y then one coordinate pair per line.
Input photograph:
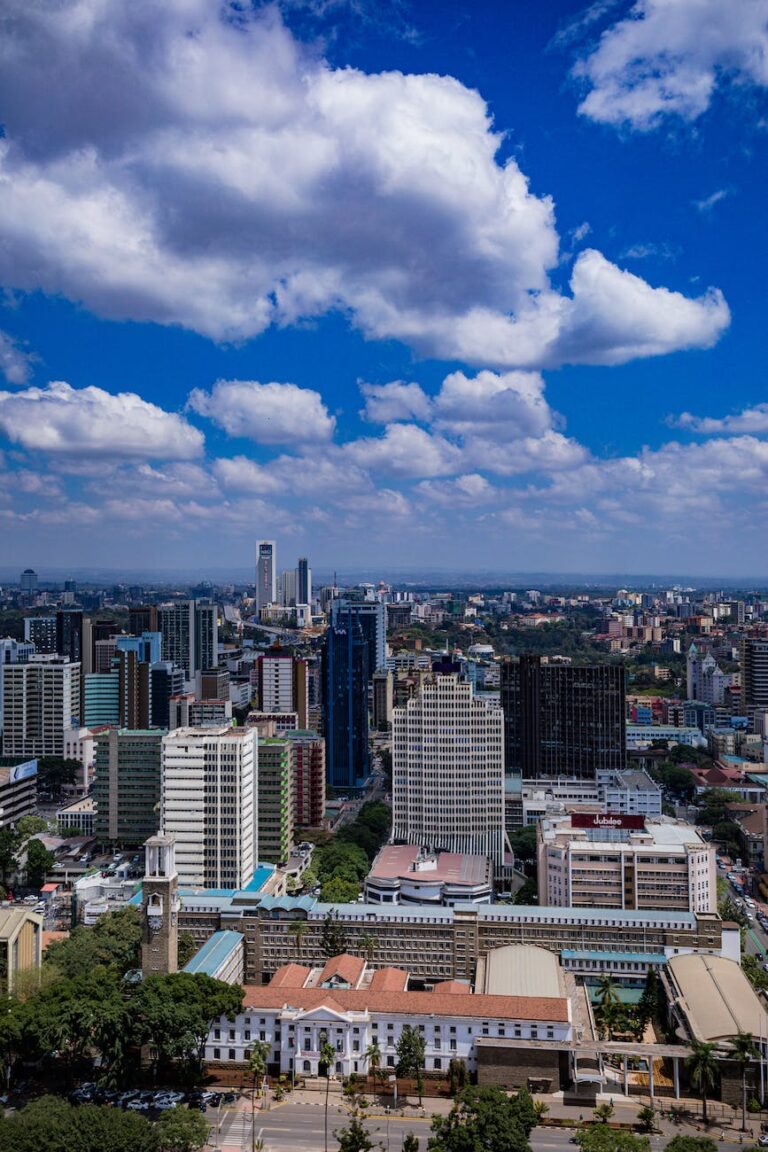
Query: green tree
x,y
712,805
30,826
174,1014
257,1066
410,1049
457,1076
114,941
54,772
338,890
604,1112
651,1003
187,947
373,1061
646,1117
523,843
484,1118
607,993
51,1125
334,939
355,1137
743,1051
8,845
367,945
298,929
327,1058
39,862
702,1070
181,1130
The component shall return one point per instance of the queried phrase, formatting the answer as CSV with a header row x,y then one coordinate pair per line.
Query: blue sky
x,y
397,284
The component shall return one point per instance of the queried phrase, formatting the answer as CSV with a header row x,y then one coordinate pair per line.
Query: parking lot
x,y
151,1102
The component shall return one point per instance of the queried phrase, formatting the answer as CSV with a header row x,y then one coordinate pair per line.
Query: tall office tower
x,y
209,803
275,808
101,698
308,777
12,652
69,634
166,680
283,685
134,690
345,702
103,655
142,618
563,720
41,631
372,617
303,581
214,684
41,700
383,699
28,581
266,573
126,789
160,907
448,770
705,681
288,588
190,635
754,672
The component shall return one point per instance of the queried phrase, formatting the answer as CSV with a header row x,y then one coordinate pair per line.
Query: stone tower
x,y
160,906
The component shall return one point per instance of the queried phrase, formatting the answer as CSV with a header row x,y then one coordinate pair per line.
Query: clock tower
x,y
160,907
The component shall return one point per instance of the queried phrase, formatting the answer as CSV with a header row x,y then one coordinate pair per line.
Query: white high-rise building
x,y
41,700
209,803
448,770
266,573
705,680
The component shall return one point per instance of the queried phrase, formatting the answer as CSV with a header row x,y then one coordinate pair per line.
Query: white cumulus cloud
x,y
668,57
266,413
750,420
62,419
228,179
386,403
15,363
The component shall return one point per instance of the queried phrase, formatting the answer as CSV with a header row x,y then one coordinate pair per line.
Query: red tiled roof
x,y
389,980
408,1003
346,968
290,976
452,987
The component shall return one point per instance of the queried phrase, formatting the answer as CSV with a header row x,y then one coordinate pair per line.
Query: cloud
x,y
751,420
470,489
709,202
266,413
668,58
227,179
244,475
66,420
405,450
499,407
387,403
15,363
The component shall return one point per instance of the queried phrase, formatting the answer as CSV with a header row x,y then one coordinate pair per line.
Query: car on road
x,y
762,1141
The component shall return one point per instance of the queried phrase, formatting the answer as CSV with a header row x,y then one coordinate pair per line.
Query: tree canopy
x,y
485,1118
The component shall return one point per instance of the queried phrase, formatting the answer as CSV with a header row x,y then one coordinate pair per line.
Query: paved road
x,y
299,1127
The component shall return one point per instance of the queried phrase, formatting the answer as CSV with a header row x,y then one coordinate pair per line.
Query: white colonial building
x,y
353,1007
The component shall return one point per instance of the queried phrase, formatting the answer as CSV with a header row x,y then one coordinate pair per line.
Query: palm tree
x,y
606,990
367,944
298,929
373,1057
702,1070
327,1057
257,1065
743,1052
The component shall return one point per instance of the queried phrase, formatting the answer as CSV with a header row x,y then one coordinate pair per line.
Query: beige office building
x,y
613,860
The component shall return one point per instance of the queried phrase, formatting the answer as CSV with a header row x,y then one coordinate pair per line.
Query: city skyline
x,y
421,285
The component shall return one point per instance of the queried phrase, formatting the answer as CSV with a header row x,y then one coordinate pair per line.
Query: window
x,y
232,1055
247,1034
217,1054
217,1034
438,1063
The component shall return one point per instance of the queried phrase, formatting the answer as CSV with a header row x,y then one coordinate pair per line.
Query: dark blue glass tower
x,y
345,698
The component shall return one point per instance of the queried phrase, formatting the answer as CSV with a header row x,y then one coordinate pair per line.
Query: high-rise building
x,y
563,720
275,808
308,777
166,680
41,700
142,618
101,698
12,652
266,573
41,631
190,633
448,770
283,684
754,672
345,701
127,785
28,581
372,618
705,681
69,633
209,804
303,581
288,588
383,699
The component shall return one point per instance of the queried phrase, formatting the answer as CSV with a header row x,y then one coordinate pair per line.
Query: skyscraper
x,y
283,684
28,581
126,788
190,633
266,573
563,720
209,803
754,672
345,700
41,699
372,618
308,777
303,581
448,770
69,633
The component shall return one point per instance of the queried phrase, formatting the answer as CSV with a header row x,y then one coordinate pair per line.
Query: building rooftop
x,y
12,919
522,970
409,862
214,952
716,998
